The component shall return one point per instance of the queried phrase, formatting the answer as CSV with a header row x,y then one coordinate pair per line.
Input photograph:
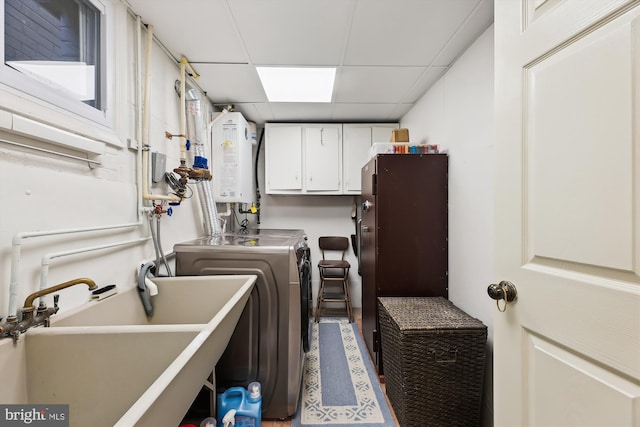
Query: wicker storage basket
x,y
433,355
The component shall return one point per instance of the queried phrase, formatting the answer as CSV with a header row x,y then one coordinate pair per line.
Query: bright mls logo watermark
x,y
34,415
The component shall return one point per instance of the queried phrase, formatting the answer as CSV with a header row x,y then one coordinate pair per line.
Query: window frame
x,y
43,97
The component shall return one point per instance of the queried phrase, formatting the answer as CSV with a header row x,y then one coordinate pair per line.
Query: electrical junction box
x,y
231,164
158,166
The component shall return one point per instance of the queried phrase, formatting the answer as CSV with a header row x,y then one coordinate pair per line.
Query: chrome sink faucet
x,y
32,317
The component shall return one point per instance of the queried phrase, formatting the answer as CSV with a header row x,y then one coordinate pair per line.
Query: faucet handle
x,y
56,298
42,306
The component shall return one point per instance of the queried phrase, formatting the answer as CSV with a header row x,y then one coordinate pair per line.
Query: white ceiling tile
x,y
230,83
384,49
258,112
408,32
477,23
374,84
201,31
315,112
265,111
293,32
365,112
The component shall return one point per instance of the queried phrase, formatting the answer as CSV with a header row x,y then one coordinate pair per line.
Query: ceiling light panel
x,y
292,84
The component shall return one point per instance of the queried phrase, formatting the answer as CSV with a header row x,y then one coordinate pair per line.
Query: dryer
x,y
273,333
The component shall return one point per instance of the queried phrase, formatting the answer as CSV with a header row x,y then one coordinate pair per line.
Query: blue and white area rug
x,y
340,386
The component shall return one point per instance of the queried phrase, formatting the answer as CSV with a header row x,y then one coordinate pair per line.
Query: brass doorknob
x,y
505,291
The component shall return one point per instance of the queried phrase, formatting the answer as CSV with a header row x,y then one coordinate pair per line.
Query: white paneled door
x,y
567,351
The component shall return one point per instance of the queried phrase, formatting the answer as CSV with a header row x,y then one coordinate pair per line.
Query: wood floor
x,y
287,423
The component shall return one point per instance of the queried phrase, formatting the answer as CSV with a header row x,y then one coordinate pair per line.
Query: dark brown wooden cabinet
x,y
403,233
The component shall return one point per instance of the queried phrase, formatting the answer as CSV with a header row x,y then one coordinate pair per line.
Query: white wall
x,y
317,216
457,114
45,192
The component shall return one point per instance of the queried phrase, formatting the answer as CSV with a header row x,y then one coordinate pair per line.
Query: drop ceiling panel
x,y
387,52
409,32
365,112
230,83
258,112
313,112
475,25
302,32
202,31
374,84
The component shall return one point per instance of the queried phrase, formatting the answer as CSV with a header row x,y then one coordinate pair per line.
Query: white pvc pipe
x,y
222,216
146,195
16,256
183,112
227,213
214,121
46,259
146,95
139,118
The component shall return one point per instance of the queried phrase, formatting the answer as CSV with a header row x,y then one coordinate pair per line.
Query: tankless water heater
x,y
232,167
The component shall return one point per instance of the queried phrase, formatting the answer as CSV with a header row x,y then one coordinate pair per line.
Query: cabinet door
x,y
283,167
357,142
323,158
356,145
368,253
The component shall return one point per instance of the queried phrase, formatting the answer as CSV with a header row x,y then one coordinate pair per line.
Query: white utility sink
x,y
116,367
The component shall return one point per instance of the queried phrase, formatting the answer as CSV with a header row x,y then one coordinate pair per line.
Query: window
x,y
55,50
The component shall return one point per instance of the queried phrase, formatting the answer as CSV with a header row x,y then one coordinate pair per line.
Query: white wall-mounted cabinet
x,y
283,158
357,140
319,158
322,154
303,158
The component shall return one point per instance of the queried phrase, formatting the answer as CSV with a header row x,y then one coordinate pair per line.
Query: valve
x,y
253,209
170,136
159,210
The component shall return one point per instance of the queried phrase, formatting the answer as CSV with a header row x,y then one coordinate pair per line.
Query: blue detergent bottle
x,y
247,404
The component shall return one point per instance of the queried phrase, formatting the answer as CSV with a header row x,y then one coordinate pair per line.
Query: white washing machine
x,y
273,333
